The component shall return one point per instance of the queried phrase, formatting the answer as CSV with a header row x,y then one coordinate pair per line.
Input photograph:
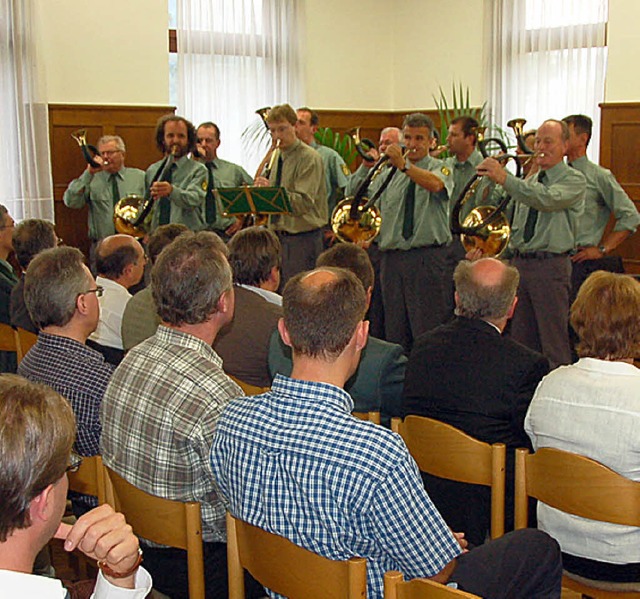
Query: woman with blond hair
x,y
592,408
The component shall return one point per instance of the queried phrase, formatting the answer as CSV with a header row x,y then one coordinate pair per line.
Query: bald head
x,y
485,289
322,309
121,259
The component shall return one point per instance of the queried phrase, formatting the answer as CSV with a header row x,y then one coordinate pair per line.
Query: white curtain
x,y
25,171
546,59
234,57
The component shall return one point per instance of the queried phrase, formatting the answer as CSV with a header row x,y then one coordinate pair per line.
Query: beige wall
x,y
623,82
112,52
358,55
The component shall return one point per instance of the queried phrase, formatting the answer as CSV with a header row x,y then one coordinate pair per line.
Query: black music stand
x,y
237,201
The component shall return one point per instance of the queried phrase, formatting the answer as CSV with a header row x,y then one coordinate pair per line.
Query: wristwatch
x,y
407,166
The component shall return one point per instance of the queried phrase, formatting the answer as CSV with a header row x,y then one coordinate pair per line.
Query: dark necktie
x,y
210,199
279,171
164,204
409,207
532,215
115,193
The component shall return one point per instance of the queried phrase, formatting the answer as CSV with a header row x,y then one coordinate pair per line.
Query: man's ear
x,y
284,334
456,298
81,304
362,334
225,303
40,507
512,309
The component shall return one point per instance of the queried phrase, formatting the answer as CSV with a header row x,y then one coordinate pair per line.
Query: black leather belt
x,y
287,234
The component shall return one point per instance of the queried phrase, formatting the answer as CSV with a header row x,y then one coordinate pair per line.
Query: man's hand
x,y
235,227
491,168
373,157
92,169
394,152
161,189
588,253
461,541
103,534
261,182
472,255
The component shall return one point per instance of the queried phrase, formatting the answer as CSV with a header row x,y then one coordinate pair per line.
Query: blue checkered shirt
x,y
296,463
79,374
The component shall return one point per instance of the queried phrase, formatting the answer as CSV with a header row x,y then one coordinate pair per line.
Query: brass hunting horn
x,y
88,151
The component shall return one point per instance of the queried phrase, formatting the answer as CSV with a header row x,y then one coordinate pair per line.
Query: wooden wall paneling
x,y
620,132
135,124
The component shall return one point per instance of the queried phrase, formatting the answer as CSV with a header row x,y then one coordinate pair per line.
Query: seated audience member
x,y
30,237
61,296
243,344
466,373
591,408
120,262
36,435
294,462
161,407
377,382
140,319
8,281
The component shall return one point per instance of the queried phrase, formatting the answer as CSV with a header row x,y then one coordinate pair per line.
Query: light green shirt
x,y
96,191
560,202
335,171
604,197
431,214
462,174
227,174
303,178
189,180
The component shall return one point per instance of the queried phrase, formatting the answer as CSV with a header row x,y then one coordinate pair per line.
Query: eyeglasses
x,y
109,152
74,463
98,291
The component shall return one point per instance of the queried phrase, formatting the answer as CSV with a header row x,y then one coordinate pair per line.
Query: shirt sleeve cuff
x,y
105,590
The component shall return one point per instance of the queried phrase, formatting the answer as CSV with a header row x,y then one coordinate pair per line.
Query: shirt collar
x,y
312,392
171,336
270,296
555,172
610,366
294,146
580,160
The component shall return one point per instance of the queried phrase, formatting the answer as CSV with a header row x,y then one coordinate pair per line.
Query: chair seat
x,y
603,585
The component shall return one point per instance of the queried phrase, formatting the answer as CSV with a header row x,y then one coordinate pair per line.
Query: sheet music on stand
x,y
237,201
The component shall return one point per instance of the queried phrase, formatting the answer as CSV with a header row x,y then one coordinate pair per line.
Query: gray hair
x,y
53,281
189,278
393,129
418,119
477,299
105,139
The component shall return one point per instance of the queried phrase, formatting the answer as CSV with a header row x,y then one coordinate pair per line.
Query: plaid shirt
x,y
159,416
79,374
295,462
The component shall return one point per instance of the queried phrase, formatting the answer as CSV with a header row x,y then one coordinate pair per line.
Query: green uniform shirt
x,y
431,214
604,197
303,178
227,174
189,180
335,171
96,191
560,201
462,173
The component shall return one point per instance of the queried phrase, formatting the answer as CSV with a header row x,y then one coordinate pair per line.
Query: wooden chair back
x,y
581,486
370,416
8,340
419,588
164,521
286,568
90,479
445,451
25,340
248,388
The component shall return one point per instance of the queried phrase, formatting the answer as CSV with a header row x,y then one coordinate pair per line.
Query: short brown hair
x,y
32,236
253,252
189,277
321,319
162,237
282,112
353,258
163,120
606,317
37,430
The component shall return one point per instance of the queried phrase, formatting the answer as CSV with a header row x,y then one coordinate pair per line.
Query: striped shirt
x,y
296,463
159,416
